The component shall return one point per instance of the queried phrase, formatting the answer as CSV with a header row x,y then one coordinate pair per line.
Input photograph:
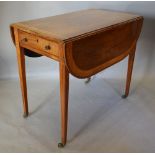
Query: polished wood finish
x,y
70,26
91,54
22,73
129,72
64,90
84,43
27,40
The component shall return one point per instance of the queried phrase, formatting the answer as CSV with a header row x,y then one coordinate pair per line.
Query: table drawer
x,y
35,42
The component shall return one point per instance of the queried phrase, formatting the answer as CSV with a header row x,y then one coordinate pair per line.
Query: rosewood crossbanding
x,y
84,43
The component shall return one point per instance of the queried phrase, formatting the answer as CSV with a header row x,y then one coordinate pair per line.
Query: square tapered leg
x,y
22,73
64,90
129,72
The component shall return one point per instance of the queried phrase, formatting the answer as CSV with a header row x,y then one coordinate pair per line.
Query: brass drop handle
x,y
47,47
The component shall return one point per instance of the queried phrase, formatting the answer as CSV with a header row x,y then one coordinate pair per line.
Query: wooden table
x,y
84,43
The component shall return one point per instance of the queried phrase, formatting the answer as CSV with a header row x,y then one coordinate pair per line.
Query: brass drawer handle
x,y
47,47
25,40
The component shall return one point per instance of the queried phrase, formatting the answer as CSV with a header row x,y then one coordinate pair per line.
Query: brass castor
x,y
60,145
124,96
88,80
25,115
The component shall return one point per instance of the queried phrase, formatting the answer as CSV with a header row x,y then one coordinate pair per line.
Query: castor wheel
x,y
60,145
25,115
88,80
124,96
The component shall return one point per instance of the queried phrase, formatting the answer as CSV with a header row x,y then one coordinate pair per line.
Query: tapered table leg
x,y
22,73
64,90
129,72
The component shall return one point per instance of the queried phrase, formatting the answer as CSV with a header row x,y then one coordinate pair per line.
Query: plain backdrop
x,y
99,119
43,67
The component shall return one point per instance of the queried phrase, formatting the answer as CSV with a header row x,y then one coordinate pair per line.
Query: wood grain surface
x,y
91,54
70,25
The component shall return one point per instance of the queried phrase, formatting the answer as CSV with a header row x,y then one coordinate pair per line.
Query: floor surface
x,y
99,119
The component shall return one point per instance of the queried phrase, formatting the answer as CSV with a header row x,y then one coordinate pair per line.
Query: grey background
x,y
11,12
99,119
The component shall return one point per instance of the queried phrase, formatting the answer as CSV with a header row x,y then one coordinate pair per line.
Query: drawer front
x,y
35,42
